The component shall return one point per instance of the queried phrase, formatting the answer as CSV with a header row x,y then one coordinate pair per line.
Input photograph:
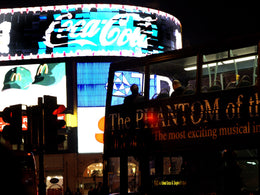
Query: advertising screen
x,y
86,30
90,129
91,84
91,92
23,84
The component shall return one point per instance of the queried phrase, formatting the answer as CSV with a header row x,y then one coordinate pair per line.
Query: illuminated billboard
x,y
92,80
91,83
86,30
90,129
91,92
23,84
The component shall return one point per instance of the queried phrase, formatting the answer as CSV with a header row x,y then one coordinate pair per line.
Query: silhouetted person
x,y
68,192
232,180
78,192
91,191
100,189
130,102
178,89
135,97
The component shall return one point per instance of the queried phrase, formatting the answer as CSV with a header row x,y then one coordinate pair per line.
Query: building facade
x,y
65,51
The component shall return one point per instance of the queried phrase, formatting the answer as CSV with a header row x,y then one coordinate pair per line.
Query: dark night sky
x,y
201,21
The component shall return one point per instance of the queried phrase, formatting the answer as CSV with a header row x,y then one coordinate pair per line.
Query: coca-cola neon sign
x,y
86,30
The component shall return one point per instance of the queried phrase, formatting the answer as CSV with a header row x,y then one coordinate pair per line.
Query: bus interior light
x,y
191,68
251,163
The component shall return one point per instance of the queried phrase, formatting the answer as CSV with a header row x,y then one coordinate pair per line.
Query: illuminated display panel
x,y
86,30
91,92
90,129
23,84
91,84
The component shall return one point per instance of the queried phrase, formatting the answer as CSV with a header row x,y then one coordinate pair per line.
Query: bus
x,y
204,140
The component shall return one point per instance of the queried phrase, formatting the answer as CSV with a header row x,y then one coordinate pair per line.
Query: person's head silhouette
x,y
134,89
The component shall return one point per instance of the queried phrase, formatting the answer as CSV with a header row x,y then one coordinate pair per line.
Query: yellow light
x,y
71,120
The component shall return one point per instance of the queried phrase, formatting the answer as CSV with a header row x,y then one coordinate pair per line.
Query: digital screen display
x,y
91,84
124,79
92,80
23,84
86,30
90,129
91,92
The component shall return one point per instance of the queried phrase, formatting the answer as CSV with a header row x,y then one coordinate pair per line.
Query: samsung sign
x,y
86,30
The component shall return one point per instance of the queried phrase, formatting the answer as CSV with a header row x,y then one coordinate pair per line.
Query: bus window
x,y
229,69
123,80
160,86
162,74
114,174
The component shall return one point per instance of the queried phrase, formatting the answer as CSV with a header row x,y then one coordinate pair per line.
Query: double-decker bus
x,y
204,140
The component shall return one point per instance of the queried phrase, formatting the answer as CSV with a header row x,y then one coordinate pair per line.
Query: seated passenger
x,y
135,97
244,81
188,89
216,87
178,89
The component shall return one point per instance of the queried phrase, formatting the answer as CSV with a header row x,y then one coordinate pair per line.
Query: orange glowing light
x,y
101,124
99,137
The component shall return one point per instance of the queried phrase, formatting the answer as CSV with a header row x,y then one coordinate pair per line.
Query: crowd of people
x,y
135,97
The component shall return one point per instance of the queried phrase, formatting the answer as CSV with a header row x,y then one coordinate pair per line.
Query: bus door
x,y
122,170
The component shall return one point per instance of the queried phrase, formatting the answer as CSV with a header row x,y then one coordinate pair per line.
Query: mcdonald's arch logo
x,y
16,77
43,68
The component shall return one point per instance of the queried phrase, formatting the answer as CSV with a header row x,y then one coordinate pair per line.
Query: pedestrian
x,y
78,192
91,191
100,189
68,192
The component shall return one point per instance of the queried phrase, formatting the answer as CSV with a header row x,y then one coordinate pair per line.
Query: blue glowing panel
x,y
124,79
91,84
153,86
122,83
